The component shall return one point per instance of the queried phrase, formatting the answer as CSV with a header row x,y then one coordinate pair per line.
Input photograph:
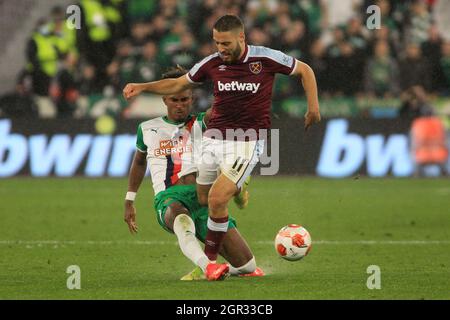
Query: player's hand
x,y
132,90
130,217
311,117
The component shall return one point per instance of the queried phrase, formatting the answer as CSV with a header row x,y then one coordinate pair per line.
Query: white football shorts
x,y
235,159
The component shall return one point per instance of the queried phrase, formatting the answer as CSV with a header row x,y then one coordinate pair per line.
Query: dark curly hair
x,y
174,72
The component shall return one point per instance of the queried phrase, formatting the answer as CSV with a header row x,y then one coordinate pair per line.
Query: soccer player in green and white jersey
x,y
166,145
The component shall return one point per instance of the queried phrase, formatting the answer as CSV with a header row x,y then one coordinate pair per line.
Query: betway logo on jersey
x,y
237,86
168,147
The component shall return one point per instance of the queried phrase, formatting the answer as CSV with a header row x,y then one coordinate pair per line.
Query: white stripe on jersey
x,y
197,66
295,67
275,55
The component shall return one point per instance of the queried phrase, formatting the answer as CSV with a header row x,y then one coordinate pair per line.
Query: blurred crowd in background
x,y
122,41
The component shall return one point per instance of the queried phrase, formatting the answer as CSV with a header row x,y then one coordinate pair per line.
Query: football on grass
x,y
293,242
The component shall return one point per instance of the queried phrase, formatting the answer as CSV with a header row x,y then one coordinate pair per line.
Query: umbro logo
x,y
222,67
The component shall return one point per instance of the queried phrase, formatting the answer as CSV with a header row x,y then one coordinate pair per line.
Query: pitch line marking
x,y
154,242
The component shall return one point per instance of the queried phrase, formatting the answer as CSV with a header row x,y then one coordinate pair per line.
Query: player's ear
x,y
242,36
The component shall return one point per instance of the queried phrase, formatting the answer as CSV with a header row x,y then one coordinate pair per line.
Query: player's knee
x,y
183,223
217,202
172,212
249,267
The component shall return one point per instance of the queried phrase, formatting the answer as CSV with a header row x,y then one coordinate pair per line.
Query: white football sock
x,y
249,267
184,229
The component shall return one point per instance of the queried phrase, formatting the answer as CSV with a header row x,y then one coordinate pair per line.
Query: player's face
x,y
179,105
230,44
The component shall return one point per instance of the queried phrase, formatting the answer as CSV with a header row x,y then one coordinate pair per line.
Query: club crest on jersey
x,y
222,67
255,67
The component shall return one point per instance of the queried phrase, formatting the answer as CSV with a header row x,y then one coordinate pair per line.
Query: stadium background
x,y
62,115
396,73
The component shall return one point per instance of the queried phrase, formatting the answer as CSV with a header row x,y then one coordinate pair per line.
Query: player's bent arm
x,y
137,171
162,87
309,83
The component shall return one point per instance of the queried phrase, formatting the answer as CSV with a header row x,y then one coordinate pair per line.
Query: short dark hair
x,y
228,22
174,72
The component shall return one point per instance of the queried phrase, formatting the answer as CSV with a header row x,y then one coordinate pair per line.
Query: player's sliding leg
x,y
184,229
239,256
197,273
178,220
194,275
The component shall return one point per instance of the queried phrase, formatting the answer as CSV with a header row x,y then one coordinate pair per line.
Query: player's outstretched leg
x,y
177,219
196,274
236,251
184,228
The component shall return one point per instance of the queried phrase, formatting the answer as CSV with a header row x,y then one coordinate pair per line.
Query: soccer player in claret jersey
x,y
165,143
243,77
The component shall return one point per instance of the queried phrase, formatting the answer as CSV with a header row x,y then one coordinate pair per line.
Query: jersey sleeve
x,y
200,71
197,74
280,62
140,145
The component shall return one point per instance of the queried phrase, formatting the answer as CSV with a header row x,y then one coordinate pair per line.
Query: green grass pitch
x,y
400,225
